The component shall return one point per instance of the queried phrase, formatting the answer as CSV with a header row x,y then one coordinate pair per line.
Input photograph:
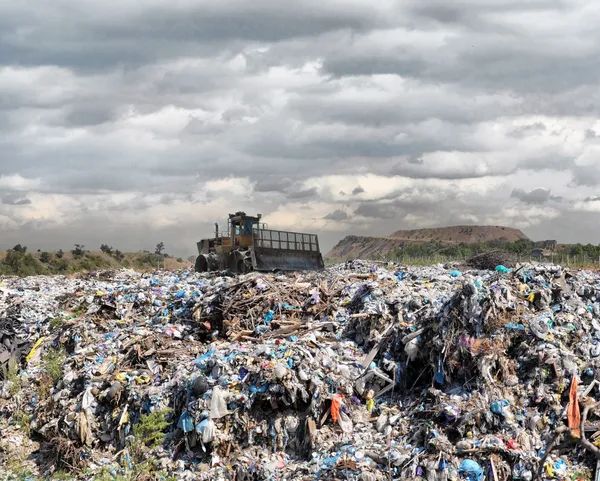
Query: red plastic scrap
x,y
573,413
336,403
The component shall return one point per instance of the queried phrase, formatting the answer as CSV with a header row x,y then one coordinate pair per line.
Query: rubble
x,y
361,372
490,260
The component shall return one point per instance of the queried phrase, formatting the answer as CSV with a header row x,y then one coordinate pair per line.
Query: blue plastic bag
x,y
186,422
471,470
498,407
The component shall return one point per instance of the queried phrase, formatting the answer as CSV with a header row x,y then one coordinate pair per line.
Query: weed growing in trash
x,y
53,361
148,434
45,383
23,420
55,323
20,474
79,310
149,430
62,476
15,468
106,475
137,475
13,375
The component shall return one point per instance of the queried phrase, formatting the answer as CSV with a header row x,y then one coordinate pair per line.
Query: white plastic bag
x,y
218,404
208,431
345,423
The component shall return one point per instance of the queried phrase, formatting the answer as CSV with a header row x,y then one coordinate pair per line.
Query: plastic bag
x,y
539,327
218,404
382,421
280,371
186,422
207,429
471,470
345,423
412,349
336,403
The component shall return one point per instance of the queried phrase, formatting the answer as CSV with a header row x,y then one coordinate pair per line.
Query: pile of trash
x,y
362,372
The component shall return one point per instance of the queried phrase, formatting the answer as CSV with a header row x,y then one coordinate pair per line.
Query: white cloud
x,y
18,182
166,119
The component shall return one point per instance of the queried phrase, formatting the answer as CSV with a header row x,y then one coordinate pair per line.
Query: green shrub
x,y
19,263
55,323
13,375
53,360
23,420
149,430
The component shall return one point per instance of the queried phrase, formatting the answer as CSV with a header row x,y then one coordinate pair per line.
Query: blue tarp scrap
x,y
439,375
186,422
471,470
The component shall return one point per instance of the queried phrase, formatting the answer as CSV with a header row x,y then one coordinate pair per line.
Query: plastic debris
x,y
364,372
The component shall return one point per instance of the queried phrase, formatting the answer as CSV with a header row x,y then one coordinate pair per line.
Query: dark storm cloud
x,y
88,116
491,47
482,66
303,194
471,11
377,211
535,196
273,185
416,159
91,39
586,175
13,199
336,215
524,131
125,119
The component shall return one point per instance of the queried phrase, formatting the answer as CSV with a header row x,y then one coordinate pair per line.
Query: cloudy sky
x,y
131,123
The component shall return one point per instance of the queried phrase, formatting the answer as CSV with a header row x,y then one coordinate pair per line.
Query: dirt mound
x,y
459,234
364,247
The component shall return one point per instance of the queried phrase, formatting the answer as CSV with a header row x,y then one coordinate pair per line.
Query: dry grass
x,y
72,266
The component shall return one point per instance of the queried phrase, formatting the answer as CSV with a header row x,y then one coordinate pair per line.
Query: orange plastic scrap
x,y
336,403
573,413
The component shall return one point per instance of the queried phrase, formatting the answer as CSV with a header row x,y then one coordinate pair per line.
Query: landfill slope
x,y
462,233
363,247
358,372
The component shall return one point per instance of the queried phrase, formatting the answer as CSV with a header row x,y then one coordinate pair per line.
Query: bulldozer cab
x,y
241,227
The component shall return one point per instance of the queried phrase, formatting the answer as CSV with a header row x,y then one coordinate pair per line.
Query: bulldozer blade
x,y
266,259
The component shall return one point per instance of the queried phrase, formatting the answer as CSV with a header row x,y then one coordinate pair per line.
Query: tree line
x,y
522,247
20,262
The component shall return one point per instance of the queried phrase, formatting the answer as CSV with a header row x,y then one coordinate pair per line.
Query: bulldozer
x,y
248,245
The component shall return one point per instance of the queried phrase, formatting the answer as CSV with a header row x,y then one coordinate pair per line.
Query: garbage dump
x,y
361,372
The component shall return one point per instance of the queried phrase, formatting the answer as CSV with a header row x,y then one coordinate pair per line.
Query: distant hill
x,y
461,234
368,246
